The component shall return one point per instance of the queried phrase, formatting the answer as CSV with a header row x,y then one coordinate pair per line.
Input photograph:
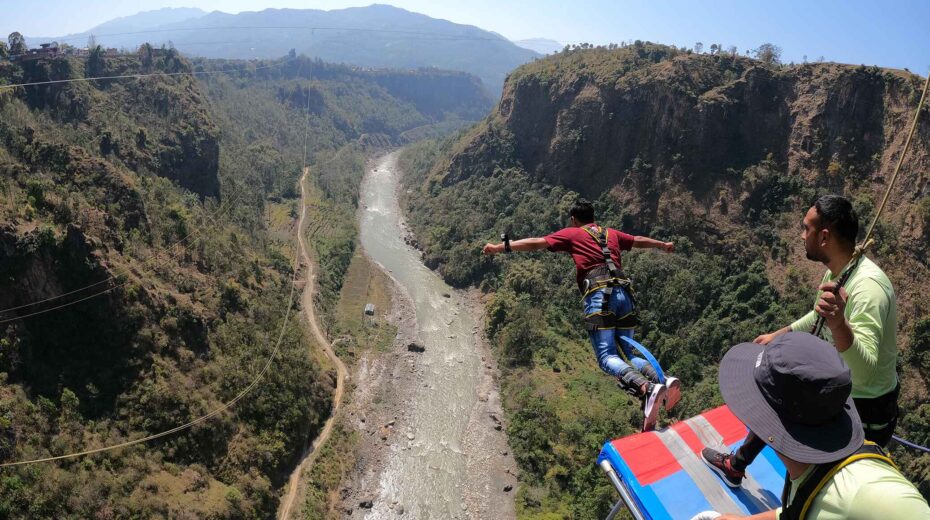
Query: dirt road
x,y
310,454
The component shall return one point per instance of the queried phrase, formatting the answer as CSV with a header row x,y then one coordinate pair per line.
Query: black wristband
x,y
506,239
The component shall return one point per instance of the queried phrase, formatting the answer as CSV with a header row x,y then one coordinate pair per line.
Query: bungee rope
x,y
867,241
909,444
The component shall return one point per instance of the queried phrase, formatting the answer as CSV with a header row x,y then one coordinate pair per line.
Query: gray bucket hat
x,y
794,394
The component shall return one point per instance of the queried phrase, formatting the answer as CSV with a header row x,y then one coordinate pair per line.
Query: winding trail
x,y
310,454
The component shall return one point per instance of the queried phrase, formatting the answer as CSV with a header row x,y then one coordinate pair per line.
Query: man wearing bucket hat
x,y
794,394
861,320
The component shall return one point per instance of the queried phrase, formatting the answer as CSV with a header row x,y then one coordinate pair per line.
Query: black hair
x,y
583,211
837,214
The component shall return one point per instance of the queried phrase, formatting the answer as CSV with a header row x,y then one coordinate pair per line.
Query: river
x,y
432,472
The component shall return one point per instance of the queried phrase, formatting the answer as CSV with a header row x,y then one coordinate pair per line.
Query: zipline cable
x,y
213,413
74,302
227,405
868,240
909,444
225,209
138,76
441,36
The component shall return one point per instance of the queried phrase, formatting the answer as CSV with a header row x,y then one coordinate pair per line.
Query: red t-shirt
x,y
585,250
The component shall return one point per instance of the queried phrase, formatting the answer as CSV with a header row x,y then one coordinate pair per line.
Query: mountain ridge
x,y
390,37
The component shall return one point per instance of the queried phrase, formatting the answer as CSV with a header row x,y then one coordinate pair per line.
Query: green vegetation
x,y
184,192
196,312
561,406
353,333
672,171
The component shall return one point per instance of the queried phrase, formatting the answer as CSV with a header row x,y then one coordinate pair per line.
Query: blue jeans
x,y
605,340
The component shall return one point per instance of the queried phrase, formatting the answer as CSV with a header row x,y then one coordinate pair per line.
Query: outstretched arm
x,y
524,244
651,243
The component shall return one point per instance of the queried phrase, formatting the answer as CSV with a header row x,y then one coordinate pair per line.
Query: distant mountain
x,y
540,45
143,21
376,36
148,19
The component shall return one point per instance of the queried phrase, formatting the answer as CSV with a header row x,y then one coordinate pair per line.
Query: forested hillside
x,y
162,192
721,154
377,35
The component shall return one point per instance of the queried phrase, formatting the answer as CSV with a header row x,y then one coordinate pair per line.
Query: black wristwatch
x,y
506,239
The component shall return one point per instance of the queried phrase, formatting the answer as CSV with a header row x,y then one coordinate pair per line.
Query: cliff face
x,y
671,137
696,114
721,154
158,126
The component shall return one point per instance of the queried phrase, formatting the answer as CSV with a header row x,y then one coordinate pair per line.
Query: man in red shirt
x,y
608,304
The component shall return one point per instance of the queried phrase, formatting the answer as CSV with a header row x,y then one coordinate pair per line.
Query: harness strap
x,y
606,320
820,477
615,278
601,237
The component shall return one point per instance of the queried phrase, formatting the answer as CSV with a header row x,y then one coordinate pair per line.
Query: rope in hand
x,y
867,241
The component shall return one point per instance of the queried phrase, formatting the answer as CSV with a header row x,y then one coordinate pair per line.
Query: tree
x,y
17,44
95,63
91,42
698,47
768,53
732,50
4,50
714,48
147,55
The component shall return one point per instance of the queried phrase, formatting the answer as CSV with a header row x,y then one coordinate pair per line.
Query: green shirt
x,y
873,316
865,490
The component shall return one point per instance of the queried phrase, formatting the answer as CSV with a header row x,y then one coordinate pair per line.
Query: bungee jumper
x,y
861,323
609,304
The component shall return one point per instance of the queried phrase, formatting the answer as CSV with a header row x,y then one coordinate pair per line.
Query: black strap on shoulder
x,y
599,235
821,475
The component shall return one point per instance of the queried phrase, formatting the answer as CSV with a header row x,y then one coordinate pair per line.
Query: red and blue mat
x,y
665,478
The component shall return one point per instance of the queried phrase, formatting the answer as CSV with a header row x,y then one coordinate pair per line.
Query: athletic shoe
x,y
674,392
652,401
722,464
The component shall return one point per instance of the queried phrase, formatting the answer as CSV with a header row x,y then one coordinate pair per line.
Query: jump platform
x,y
660,474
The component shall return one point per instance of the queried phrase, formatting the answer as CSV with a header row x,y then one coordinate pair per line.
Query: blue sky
x,y
885,33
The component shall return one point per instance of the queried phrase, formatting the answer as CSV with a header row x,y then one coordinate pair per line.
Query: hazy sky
x,y
886,33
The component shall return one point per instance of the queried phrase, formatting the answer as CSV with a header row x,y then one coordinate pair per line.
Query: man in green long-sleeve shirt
x,y
861,320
